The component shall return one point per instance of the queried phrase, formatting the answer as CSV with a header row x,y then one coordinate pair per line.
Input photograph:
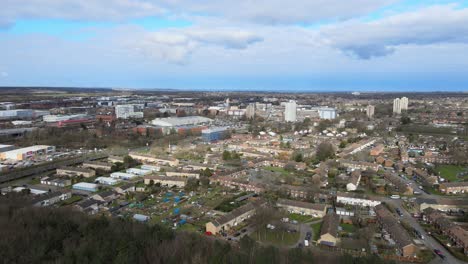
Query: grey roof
x,y
330,224
319,207
237,212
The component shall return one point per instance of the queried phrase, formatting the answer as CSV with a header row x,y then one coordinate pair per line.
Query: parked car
x,y
439,253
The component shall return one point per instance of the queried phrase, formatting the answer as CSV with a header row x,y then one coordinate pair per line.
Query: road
x,y
428,240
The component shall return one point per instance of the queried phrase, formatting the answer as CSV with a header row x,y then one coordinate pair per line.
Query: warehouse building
x,y
139,172
27,153
74,172
123,175
107,180
97,165
166,181
4,148
87,187
172,122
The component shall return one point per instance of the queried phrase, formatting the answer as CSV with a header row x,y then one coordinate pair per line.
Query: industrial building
x,y
27,153
57,118
215,134
85,186
166,181
4,148
73,172
21,114
123,176
139,172
171,122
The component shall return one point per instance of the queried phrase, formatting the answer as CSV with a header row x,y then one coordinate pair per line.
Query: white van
x,y
306,243
395,196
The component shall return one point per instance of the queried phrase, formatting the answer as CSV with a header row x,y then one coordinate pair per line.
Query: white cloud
x,y
81,10
177,45
432,25
261,11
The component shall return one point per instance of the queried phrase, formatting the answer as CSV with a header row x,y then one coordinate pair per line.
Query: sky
x,y
244,45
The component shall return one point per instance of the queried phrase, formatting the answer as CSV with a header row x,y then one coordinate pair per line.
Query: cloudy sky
x,y
324,45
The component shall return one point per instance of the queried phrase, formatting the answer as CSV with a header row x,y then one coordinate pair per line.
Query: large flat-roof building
x,y
214,134
170,122
74,171
27,153
85,186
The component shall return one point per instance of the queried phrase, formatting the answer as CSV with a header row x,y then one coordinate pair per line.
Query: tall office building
x,y
370,111
290,111
404,103
250,111
397,106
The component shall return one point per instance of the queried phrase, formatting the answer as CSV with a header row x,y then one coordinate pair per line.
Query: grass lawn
x,y
348,228
188,227
316,228
300,218
449,172
275,237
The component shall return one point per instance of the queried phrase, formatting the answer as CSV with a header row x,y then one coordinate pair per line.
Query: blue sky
x,y
315,45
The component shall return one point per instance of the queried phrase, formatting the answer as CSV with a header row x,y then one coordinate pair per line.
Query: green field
x,y
449,172
349,228
316,227
275,237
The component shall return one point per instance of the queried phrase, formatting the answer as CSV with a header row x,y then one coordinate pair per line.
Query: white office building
x,y
327,113
290,111
127,111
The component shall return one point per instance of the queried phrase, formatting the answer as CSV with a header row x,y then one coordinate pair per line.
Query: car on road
x,y
300,245
399,212
439,253
306,243
395,196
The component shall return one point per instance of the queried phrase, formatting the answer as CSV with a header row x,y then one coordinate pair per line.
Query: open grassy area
x,y
275,237
300,218
348,228
316,228
449,172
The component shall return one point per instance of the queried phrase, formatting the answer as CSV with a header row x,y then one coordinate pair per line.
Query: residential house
x,y
233,218
303,208
50,198
390,224
329,230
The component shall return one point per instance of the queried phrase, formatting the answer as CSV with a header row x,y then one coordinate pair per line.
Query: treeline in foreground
x,y
51,235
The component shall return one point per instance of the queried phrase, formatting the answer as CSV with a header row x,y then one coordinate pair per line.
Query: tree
x,y
325,151
192,184
226,155
298,157
343,144
405,120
